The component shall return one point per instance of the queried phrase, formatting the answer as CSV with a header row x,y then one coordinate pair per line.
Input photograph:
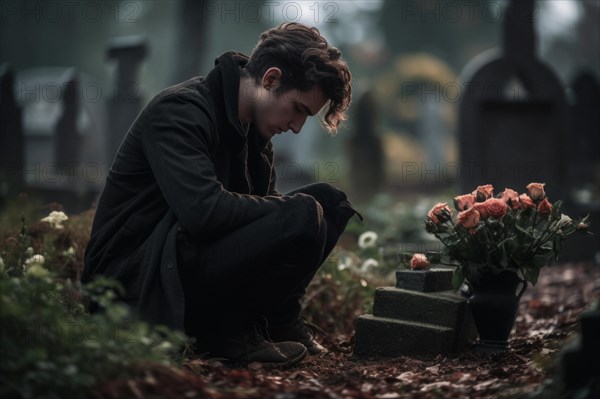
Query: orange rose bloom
x,y
463,202
436,214
419,262
511,197
526,202
483,192
482,209
468,219
536,191
495,207
544,207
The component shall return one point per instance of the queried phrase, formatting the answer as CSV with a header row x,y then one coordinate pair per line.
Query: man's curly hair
x,y
305,59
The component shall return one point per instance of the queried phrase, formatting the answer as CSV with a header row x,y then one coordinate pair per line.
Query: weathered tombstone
x,y
126,102
53,120
11,136
512,125
365,151
66,137
422,317
580,359
584,165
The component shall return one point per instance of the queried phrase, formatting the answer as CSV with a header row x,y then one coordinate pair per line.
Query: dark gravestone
x,y
584,166
406,320
53,119
126,102
580,359
365,150
67,140
584,161
439,279
11,136
512,125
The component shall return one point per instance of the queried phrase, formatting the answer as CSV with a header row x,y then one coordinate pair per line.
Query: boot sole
x,y
289,363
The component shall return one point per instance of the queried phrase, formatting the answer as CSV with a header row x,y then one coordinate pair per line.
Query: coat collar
x,y
226,74
229,65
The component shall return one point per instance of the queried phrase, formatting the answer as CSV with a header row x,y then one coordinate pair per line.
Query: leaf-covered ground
x,y
548,317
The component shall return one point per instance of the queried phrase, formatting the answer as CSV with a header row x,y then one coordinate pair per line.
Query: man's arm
x,y
177,148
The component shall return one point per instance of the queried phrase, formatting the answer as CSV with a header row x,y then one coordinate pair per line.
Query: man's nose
x,y
296,125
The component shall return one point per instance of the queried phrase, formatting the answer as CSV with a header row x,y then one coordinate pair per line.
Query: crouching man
x,y
189,220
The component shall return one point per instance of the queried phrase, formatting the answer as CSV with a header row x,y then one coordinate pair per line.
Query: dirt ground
x,y
548,317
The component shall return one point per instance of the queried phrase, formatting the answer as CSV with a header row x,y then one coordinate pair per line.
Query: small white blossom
x,y
367,239
369,264
345,262
56,219
564,221
35,260
29,252
69,252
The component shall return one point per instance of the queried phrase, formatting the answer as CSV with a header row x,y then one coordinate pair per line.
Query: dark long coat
x,y
186,163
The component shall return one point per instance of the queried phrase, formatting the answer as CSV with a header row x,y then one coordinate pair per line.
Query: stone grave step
x,y
434,279
384,337
445,308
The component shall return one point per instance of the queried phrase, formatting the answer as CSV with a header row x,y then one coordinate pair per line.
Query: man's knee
x,y
303,218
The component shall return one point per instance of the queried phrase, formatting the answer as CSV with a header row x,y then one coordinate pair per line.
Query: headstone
x,y
513,115
56,125
584,166
584,161
126,102
66,137
422,317
580,359
11,136
366,153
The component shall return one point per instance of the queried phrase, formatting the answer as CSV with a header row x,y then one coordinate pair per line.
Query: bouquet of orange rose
x,y
519,232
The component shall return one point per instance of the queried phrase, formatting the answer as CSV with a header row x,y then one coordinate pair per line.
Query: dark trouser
x,y
261,269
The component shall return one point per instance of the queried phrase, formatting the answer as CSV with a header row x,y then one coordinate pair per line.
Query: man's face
x,y
277,113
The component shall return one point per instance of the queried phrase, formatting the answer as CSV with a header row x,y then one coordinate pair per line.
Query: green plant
x,y
517,232
51,347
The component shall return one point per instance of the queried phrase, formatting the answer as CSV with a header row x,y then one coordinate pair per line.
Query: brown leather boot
x,y
299,330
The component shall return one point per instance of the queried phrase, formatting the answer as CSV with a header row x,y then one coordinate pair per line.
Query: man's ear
x,y
272,78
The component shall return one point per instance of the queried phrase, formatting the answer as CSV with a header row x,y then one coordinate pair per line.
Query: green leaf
x,y
555,214
540,260
458,277
531,275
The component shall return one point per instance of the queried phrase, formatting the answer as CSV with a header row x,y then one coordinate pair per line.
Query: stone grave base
x,y
421,317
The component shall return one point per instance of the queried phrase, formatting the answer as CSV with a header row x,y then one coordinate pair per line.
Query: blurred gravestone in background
x,y
418,140
364,148
584,161
61,135
191,40
126,101
512,124
11,136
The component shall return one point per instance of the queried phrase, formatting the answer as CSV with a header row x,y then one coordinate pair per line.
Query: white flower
x,y
367,239
2,265
564,221
345,262
369,264
35,260
56,219
69,252
29,252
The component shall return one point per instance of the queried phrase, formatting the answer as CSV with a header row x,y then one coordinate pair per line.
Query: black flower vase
x,y
494,301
